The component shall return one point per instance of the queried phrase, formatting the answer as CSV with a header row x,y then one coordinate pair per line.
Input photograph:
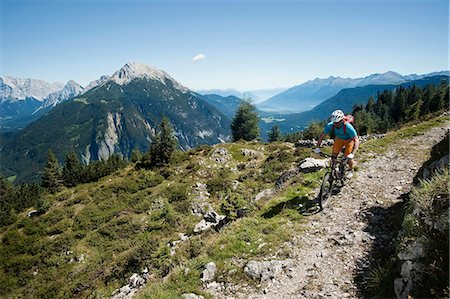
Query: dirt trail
x,y
339,240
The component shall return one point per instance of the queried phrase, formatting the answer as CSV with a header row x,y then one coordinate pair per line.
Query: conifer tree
x,y
136,155
274,134
245,123
163,145
72,171
51,177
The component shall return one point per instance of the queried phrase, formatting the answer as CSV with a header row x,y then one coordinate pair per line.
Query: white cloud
x,y
199,57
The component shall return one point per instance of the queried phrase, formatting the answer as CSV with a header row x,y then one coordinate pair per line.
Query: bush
x,y
149,180
220,183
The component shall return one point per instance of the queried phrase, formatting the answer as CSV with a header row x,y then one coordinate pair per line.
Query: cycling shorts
x,y
340,143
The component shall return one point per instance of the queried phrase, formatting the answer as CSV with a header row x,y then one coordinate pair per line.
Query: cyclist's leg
x,y
348,150
337,147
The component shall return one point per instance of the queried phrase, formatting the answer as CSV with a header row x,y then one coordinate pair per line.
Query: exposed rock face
x,y
110,140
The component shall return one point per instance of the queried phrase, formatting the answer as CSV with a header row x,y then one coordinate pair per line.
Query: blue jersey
x,y
351,132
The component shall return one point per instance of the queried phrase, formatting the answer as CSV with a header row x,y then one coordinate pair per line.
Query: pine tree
x,y
136,155
51,177
274,134
163,145
313,130
245,123
398,109
370,107
72,172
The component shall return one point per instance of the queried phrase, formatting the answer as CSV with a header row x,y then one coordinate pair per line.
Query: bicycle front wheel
x,y
325,190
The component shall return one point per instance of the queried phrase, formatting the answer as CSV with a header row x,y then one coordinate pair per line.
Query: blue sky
x,y
246,44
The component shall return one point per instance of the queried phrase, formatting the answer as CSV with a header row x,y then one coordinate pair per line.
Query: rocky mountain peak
x,y
20,89
133,70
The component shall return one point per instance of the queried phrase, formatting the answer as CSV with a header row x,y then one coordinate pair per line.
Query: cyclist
x,y
345,137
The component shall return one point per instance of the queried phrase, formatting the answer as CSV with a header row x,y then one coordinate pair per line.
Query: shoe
x,y
349,175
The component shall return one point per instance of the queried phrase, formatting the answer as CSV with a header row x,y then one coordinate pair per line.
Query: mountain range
x,y
306,96
345,100
118,113
23,101
256,95
116,116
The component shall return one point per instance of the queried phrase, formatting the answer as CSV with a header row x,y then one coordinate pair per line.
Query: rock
x,y
183,237
311,164
33,213
407,267
262,194
413,251
125,289
211,219
136,281
202,226
209,272
221,155
436,166
286,176
191,296
250,153
265,270
402,288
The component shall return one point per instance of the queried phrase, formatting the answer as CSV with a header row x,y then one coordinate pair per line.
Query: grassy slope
x,y
96,235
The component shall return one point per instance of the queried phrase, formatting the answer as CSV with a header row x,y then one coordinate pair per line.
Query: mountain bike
x,y
334,179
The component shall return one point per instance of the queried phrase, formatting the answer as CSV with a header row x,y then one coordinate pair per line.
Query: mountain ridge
x,y
307,95
113,118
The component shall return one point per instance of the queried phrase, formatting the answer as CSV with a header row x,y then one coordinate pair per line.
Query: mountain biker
x,y
347,138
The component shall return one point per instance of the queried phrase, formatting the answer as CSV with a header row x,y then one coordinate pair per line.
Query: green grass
x,y
380,146
261,233
122,223
12,178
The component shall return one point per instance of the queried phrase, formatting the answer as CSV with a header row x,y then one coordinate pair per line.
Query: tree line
x,y
395,108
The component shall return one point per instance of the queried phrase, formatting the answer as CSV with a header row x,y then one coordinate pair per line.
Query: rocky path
x,y
337,244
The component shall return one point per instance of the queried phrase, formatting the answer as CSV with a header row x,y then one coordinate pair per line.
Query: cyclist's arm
x,y
326,131
321,137
356,145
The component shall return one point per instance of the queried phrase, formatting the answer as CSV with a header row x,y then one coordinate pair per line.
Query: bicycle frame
x,y
335,173
338,173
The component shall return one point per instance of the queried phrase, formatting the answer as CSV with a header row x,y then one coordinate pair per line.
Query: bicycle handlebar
x,y
329,156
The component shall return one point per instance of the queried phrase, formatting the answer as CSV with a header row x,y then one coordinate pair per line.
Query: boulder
x,y
209,272
311,164
413,251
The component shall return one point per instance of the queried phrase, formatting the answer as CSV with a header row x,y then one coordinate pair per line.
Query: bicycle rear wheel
x,y
325,190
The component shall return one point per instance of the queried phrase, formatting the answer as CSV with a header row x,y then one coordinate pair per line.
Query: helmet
x,y
337,116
